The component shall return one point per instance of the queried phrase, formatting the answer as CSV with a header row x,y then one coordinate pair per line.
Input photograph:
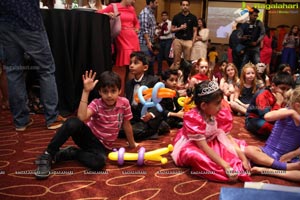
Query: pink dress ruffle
x,y
187,154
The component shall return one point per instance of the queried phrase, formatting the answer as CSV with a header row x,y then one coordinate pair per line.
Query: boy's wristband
x,y
84,101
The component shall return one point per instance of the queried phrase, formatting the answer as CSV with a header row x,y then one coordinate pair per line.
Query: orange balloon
x,y
162,93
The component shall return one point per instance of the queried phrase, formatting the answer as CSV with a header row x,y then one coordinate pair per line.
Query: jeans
x,y
251,54
145,49
164,51
16,42
289,56
237,60
92,153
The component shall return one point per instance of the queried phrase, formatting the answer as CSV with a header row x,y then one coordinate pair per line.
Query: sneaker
x,y
23,128
43,166
57,123
68,153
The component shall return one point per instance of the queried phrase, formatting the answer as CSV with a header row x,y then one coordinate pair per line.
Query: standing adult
x,y
147,31
4,104
22,31
184,25
199,49
266,49
290,44
99,5
127,40
253,33
165,41
236,47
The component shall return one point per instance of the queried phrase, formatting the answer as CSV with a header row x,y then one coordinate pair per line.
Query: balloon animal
x,y
156,94
186,103
141,156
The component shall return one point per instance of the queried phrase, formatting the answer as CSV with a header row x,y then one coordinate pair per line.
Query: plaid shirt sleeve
x,y
144,26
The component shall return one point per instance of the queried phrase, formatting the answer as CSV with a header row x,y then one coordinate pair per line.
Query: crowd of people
x,y
213,92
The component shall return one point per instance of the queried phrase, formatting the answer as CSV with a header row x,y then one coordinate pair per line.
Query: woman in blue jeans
x,y
290,44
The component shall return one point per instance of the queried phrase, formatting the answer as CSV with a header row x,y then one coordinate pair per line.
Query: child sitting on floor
x,y
204,142
147,126
95,129
266,100
229,81
244,92
173,112
282,149
262,77
203,73
219,74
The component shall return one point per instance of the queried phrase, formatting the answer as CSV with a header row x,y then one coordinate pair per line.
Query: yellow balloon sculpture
x,y
186,103
141,156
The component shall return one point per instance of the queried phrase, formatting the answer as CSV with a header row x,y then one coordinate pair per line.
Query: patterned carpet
x,y
70,180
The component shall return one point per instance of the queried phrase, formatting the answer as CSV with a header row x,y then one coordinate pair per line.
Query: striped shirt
x,y
106,122
147,24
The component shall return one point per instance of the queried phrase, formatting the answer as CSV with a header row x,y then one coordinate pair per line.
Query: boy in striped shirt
x,y
95,128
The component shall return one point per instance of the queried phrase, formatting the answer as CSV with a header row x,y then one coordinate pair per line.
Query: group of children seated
x,y
203,141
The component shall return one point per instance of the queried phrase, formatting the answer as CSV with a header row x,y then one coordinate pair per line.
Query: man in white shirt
x,y
165,41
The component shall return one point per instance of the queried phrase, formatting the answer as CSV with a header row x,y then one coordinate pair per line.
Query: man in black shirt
x,y
253,33
237,47
184,25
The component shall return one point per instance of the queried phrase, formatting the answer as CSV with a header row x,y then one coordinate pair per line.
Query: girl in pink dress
x,y
204,142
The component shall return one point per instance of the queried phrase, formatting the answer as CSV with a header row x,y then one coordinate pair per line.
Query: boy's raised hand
x,y
89,81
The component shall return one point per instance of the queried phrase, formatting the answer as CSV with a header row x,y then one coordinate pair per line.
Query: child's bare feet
x,y
259,170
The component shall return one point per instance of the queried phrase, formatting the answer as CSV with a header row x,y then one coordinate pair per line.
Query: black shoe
x,y
68,153
43,166
163,128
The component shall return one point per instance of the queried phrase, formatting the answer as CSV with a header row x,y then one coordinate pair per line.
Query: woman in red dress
x,y
266,49
127,40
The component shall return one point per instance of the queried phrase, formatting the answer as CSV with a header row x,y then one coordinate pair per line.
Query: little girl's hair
x,y
236,73
185,67
167,74
282,66
243,74
223,62
208,74
293,96
206,91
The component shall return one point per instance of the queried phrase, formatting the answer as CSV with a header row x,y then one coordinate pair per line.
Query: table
x,y
79,40
228,193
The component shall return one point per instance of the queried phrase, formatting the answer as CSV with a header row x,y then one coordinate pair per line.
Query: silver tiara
x,y
211,87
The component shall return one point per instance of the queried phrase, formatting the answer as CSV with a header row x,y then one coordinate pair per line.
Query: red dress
x,y
266,51
127,41
186,153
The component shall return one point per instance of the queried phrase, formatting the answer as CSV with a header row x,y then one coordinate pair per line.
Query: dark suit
x,y
142,130
171,105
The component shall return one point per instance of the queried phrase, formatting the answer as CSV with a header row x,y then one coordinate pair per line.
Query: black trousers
x,y
92,152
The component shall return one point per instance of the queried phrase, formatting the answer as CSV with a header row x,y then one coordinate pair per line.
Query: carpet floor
x,y
70,180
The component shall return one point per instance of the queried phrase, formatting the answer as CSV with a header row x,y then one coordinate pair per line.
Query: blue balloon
x,y
155,100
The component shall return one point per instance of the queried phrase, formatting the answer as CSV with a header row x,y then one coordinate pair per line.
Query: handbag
x,y
115,23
